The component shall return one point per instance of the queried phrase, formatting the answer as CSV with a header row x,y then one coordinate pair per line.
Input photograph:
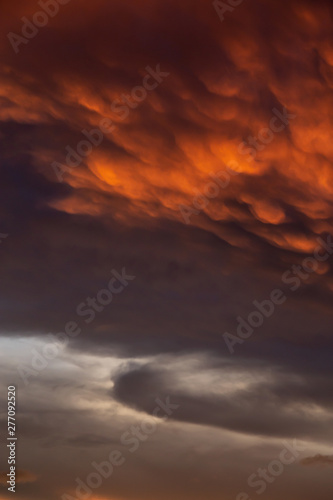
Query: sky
x,y
166,249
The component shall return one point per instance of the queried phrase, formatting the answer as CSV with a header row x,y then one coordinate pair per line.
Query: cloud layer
x,y
237,135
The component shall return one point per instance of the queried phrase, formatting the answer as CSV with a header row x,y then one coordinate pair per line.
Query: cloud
x,y
120,207
127,192
235,407
21,477
194,122
318,460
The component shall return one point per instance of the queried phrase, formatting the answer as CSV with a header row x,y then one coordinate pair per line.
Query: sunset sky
x,y
176,156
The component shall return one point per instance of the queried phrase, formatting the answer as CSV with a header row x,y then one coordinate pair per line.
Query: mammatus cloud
x,y
229,100
201,119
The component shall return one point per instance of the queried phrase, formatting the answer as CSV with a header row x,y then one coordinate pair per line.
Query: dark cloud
x,y
260,408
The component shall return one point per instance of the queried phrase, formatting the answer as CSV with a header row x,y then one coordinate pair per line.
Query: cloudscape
x,y
166,249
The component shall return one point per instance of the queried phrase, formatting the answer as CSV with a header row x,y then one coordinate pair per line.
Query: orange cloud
x,y
22,476
162,153
318,460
